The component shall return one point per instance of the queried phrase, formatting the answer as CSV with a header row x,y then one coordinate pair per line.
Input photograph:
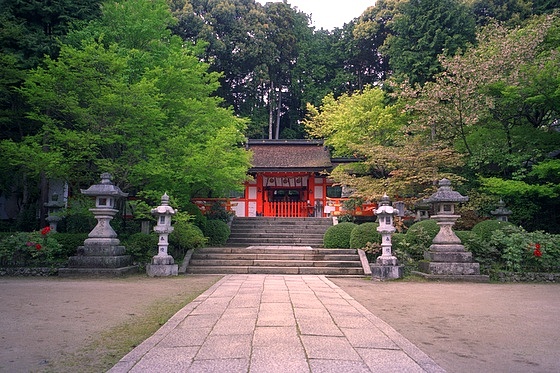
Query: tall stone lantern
x,y
386,266
447,257
101,253
163,264
106,194
53,207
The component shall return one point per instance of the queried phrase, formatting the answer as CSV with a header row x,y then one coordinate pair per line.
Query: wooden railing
x,y
288,209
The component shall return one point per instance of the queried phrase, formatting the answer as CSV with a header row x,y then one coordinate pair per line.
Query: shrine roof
x,y
289,155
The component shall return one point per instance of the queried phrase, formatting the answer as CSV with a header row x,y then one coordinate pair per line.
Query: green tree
x,y
424,29
511,12
134,101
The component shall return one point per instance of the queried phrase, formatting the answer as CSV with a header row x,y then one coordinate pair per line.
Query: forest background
x,y
162,94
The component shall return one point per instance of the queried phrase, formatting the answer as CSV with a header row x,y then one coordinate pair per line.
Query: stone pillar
x,y
163,264
387,266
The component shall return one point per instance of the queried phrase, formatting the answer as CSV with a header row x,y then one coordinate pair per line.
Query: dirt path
x,y
471,327
464,327
44,319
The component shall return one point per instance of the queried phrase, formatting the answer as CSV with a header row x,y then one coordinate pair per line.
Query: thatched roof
x,y
289,155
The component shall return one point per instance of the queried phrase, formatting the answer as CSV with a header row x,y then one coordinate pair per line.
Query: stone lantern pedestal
x,y
386,266
447,258
163,264
101,254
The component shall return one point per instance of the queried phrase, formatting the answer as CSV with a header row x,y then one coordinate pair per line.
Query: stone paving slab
x,y
275,323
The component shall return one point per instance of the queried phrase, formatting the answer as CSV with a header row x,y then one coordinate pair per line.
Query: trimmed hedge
x,y
338,236
186,236
217,232
485,228
364,233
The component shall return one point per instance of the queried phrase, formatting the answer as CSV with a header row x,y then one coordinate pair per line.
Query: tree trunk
x,y
270,109
278,108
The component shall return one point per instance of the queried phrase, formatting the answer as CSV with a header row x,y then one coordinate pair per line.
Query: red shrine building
x,y
289,179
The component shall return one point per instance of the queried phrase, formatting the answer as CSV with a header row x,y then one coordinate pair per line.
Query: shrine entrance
x,y
288,203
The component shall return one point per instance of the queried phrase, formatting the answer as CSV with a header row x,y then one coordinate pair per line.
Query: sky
x,y
329,14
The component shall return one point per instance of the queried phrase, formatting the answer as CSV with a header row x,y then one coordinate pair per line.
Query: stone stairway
x,y
259,231
286,260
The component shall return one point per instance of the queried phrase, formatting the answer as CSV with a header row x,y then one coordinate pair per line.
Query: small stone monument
x,y
501,213
53,207
447,258
163,263
387,266
101,254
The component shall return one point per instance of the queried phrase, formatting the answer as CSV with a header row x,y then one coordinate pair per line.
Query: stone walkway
x,y
275,323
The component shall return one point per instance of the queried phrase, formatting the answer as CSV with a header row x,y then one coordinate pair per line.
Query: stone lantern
x,y
106,195
163,263
53,206
386,265
501,213
101,253
447,257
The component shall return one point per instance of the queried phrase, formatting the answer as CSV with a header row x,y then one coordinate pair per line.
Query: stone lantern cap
x,y
164,208
105,188
501,210
446,194
385,207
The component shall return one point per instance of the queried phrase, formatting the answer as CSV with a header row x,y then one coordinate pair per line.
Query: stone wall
x,y
28,271
526,277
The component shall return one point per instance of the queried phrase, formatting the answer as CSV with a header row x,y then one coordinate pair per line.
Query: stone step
x,y
272,263
283,231
279,234
276,241
330,271
277,260
308,257
258,249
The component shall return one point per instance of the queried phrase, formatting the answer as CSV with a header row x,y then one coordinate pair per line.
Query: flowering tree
x,y
396,157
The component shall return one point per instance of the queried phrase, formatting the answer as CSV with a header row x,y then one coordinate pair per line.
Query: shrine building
x,y
289,179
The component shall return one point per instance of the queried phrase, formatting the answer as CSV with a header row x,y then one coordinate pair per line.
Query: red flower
x,y
38,246
537,252
45,230
538,246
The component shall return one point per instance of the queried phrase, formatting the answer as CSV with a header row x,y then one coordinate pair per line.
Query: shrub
x,y
364,233
485,228
198,218
185,236
217,232
483,253
418,238
338,236
70,242
31,249
523,251
142,247
218,212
